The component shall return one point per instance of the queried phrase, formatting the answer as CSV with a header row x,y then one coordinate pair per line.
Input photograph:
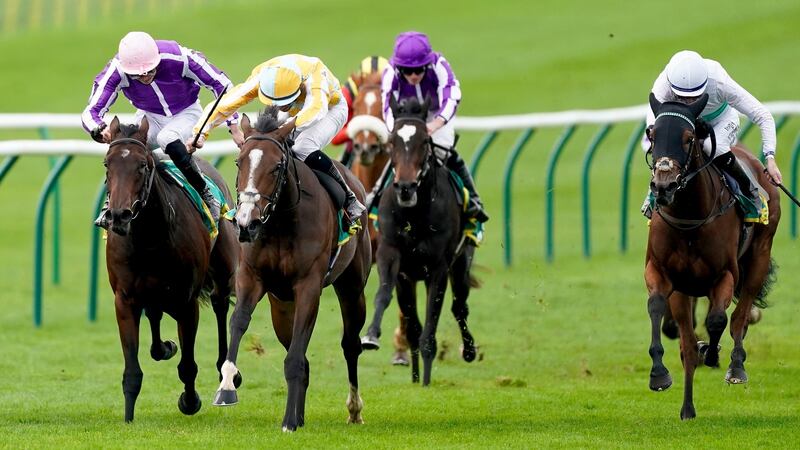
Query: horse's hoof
x,y
187,408
237,380
469,353
168,349
755,315
709,359
687,413
400,359
661,382
670,329
369,342
225,397
736,376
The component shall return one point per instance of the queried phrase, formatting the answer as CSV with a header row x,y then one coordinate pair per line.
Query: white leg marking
x,y
354,405
229,370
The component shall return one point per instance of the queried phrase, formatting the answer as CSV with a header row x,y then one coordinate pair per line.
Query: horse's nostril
x,y
126,216
672,186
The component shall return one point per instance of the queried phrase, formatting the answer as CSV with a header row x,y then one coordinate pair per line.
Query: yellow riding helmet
x,y
279,85
373,64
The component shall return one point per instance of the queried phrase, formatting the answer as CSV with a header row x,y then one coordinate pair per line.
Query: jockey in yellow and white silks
x,y
305,88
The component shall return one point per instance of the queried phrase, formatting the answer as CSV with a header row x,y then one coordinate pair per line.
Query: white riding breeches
x,y
163,130
726,129
320,134
445,136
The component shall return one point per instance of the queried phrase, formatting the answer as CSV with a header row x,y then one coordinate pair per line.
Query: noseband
x,y
272,200
144,194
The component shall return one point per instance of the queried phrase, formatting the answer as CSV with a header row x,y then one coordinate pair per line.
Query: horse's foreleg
x,y
681,306
219,301
459,280
159,350
128,318
354,312
249,290
295,366
656,307
407,300
388,267
189,402
716,320
436,286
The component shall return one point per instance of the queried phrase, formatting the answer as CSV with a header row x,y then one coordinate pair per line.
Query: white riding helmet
x,y
138,53
687,74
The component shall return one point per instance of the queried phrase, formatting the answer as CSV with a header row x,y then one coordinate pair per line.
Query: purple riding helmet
x,y
412,49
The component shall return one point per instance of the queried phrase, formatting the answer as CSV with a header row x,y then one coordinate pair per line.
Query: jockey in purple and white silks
x,y
162,81
685,78
415,70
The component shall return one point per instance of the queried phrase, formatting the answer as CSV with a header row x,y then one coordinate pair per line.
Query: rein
x,y
272,200
426,166
144,194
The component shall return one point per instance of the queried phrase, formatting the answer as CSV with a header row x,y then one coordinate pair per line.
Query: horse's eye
x,y
105,164
237,163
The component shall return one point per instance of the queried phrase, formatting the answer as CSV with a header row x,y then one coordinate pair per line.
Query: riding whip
x,y
219,97
786,191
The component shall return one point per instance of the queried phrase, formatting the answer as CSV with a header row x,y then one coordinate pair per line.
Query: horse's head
x,y
676,140
367,128
262,170
130,168
410,148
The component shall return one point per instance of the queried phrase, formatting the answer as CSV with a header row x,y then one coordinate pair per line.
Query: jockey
x,y
307,90
416,70
162,80
685,78
369,65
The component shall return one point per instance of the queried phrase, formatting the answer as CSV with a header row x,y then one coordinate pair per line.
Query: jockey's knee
x,y
166,137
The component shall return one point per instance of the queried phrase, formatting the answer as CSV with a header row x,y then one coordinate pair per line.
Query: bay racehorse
x,y
288,229
421,240
369,134
159,257
696,246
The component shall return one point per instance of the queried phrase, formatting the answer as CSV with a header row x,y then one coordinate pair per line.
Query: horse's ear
x,y
699,105
358,78
425,105
113,127
285,129
702,129
655,105
144,127
393,105
247,129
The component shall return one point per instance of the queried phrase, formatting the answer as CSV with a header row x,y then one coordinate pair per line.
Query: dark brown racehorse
x,y
159,258
695,246
369,135
287,223
421,240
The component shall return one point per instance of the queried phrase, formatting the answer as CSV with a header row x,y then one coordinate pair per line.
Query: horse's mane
x,y
268,120
409,107
127,130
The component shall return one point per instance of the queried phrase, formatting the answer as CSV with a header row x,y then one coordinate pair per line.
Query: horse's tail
x,y
761,298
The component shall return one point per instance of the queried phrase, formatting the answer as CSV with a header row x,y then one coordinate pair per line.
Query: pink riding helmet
x,y
412,49
138,53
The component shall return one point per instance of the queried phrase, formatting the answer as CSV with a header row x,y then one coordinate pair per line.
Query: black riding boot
x,y
732,166
352,207
475,207
188,167
102,219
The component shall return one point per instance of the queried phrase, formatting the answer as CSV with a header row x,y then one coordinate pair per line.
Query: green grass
x,y
564,345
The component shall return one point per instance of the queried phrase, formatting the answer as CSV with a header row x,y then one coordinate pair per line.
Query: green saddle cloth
x,y
170,169
750,211
342,235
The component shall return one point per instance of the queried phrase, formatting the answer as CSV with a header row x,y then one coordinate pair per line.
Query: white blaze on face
x,y
369,99
406,133
248,198
125,152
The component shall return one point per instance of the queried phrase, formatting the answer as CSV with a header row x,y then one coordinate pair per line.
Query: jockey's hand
x,y
435,124
773,171
191,147
236,134
101,134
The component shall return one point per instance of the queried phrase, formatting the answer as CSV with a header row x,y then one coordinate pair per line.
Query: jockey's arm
x,y
231,102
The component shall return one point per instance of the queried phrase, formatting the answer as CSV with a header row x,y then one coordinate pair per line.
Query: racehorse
x,y
288,229
696,247
159,257
368,132
421,239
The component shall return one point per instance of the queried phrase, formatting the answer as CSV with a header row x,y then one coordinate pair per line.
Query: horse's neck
x,y
702,193
157,214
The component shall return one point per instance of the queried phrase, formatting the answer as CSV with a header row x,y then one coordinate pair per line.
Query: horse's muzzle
x,y
120,220
250,232
366,153
406,193
664,192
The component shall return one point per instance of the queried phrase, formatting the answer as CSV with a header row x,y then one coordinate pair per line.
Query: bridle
x,y
427,163
269,209
684,176
150,172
